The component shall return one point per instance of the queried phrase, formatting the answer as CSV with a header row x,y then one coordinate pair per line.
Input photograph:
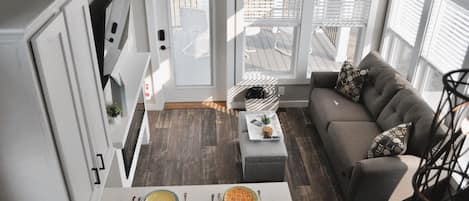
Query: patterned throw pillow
x,y
391,142
350,81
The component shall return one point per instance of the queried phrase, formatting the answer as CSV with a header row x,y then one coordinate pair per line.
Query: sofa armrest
x,y
323,79
384,178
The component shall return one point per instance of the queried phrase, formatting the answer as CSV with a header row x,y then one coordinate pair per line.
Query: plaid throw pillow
x,y
350,81
391,142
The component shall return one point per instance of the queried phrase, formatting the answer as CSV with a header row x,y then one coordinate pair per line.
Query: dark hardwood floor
x,y
200,146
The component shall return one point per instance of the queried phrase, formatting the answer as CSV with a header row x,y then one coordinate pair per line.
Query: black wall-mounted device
x,y
161,36
114,28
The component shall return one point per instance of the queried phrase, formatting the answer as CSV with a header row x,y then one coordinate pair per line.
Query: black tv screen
x,y
98,20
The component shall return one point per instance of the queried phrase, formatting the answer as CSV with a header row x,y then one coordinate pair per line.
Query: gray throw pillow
x,y
350,81
391,142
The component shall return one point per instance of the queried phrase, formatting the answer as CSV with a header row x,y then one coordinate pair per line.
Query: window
x,y
286,39
426,39
445,45
269,36
447,38
431,84
436,35
282,12
401,32
336,29
269,48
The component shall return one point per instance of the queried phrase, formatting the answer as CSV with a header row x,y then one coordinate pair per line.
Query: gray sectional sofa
x,y
348,128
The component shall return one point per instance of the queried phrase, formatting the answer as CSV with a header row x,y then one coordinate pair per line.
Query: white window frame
x,y
296,65
366,42
416,75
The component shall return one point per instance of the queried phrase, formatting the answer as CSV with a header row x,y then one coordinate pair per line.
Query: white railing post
x,y
341,43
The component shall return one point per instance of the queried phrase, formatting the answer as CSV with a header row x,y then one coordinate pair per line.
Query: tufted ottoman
x,y
261,160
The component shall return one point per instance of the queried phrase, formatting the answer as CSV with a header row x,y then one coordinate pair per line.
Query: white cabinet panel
x,y
87,72
54,63
29,165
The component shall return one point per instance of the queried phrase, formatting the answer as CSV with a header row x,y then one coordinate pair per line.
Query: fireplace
x,y
128,152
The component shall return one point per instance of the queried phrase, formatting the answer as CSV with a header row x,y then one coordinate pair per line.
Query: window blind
x,y
341,13
405,19
446,41
272,12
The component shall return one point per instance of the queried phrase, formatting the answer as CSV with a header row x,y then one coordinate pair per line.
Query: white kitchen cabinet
x,y
55,67
53,125
91,95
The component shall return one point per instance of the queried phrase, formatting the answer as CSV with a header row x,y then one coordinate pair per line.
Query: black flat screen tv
x,y
98,10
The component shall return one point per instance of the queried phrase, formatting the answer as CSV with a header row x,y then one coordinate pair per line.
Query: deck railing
x,y
331,33
176,5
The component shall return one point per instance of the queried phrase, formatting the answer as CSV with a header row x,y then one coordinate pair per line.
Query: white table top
x,y
276,191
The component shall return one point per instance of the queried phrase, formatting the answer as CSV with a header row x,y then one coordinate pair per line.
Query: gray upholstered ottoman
x,y
261,161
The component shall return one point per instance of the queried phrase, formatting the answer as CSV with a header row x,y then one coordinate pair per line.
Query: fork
x,y
259,194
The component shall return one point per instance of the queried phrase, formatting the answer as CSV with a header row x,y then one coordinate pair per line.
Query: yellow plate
x,y
161,195
240,193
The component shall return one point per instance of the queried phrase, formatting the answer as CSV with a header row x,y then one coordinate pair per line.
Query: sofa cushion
x,y
373,59
350,81
382,84
407,106
327,105
390,142
352,140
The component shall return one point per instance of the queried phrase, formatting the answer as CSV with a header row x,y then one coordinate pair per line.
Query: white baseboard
x,y
154,107
283,103
294,103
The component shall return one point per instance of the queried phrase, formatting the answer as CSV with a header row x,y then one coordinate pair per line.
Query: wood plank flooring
x,y
200,146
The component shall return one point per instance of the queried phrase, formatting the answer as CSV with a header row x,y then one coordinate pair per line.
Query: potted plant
x,y
114,112
267,129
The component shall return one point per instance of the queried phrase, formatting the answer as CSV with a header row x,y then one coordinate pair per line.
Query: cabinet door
x,y
51,51
89,85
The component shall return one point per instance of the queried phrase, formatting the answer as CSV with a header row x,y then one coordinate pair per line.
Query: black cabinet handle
x,y
100,156
96,172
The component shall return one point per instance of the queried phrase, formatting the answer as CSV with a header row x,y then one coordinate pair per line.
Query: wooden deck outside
x,y
269,51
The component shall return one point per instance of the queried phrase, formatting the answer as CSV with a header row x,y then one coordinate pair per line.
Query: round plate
x,y
240,193
161,195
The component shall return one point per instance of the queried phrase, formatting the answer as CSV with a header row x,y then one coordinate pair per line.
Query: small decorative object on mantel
x,y
118,92
267,129
114,112
443,170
